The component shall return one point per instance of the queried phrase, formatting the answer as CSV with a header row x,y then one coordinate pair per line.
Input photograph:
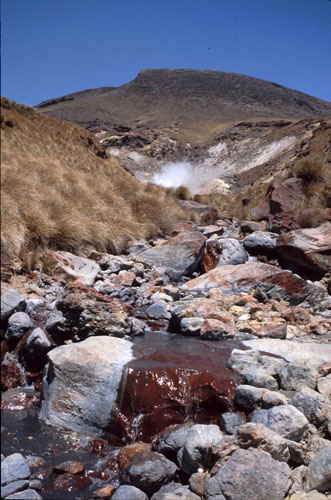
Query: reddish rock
x,y
287,196
104,492
12,373
126,454
308,248
260,212
170,383
214,329
281,223
19,400
71,482
179,255
271,280
182,227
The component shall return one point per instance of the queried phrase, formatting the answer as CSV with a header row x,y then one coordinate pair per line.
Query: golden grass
x,y
59,192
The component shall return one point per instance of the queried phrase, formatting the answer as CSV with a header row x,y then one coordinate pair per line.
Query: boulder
x,y
274,282
13,468
179,255
258,377
308,248
14,487
260,212
230,422
287,420
18,324
197,451
250,475
291,350
249,226
70,267
261,242
94,368
148,472
248,397
298,374
319,471
34,349
221,252
170,441
84,312
205,212
175,491
313,405
287,196
11,301
28,494
253,435
126,492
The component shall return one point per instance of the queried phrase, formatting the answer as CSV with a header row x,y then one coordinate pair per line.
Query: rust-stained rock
x,y
273,281
127,453
206,212
308,248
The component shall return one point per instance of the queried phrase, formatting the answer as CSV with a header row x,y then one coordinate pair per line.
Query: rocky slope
x,y
231,127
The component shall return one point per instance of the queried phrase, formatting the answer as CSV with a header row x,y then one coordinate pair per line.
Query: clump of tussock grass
x,y
59,192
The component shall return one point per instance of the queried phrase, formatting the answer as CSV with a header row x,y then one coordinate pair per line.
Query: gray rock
x,y
11,301
18,324
148,472
272,398
258,377
179,255
290,350
248,397
324,385
126,492
170,441
14,467
25,495
241,361
197,451
191,326
313,405
138,327
319,471
14,487
159,310
252,435
35,349
250,475
72,267
286,420
2,457
298,374
230,422
232,252
174,491
32,304
261,242
94,368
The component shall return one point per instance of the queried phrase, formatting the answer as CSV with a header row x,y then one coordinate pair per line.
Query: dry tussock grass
x,y
58,192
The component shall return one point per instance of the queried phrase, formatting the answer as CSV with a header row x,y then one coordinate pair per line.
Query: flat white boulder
x,y
81,383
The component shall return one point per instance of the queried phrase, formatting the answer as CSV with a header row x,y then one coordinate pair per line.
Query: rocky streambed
x,y
194,367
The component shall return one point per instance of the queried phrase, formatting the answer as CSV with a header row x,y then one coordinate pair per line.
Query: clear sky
x,y
54,47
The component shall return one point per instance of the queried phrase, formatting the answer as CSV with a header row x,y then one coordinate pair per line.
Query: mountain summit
x,y
193,103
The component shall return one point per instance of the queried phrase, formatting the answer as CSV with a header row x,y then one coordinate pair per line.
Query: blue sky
x,y
53,47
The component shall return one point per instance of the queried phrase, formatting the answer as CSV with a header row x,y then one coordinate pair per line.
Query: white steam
x,y
175,175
